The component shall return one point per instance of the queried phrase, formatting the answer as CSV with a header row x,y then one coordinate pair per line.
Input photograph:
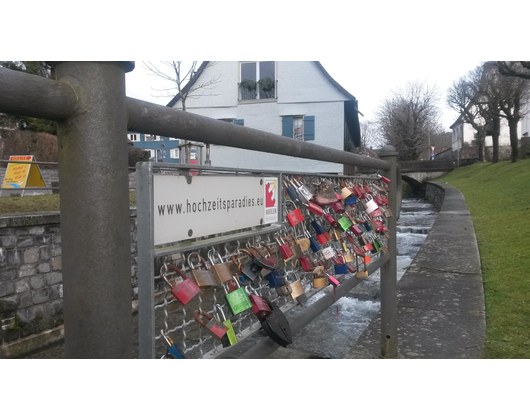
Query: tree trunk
x,y
481,139
495,137
512,124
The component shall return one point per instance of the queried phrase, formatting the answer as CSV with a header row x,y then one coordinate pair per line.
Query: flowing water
x,y
333,332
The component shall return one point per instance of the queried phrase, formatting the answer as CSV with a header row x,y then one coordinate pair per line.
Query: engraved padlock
x,y
294,217
203,277
221,270
215,328
237,299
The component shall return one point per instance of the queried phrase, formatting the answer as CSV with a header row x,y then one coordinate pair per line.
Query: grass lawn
x,y
498,198
36,203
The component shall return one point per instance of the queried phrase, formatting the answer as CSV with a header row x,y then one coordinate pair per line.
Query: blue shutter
x,y
239,122
287,127
309,127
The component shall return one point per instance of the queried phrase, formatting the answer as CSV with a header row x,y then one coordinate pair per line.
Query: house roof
x,y
351,110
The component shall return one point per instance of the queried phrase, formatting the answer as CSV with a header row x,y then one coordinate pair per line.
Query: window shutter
x,y
239,122
287,127
309,127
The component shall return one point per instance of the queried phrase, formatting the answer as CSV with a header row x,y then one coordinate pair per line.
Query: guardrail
x,y
88,103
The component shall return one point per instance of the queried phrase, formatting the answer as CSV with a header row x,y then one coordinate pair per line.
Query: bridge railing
x,y
93,114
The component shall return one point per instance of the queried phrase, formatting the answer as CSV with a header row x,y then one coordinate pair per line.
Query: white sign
x,y
211,205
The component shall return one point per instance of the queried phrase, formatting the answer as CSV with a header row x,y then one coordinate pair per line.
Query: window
x,y
233,121
151,153
174,153
133,136
152,137
299,127
258,80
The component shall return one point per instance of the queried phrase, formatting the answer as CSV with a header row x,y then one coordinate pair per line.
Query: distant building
x,y
161,149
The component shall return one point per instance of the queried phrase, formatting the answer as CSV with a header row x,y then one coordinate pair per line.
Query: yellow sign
x,y
21,175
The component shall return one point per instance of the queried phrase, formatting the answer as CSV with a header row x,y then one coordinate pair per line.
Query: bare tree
x,y
179,77
370,135
519,69
465,97
409,117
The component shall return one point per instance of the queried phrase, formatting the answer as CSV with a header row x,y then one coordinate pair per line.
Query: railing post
x,y
389,347
95,216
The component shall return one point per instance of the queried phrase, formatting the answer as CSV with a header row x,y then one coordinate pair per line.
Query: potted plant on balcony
x,y
248,84
266,84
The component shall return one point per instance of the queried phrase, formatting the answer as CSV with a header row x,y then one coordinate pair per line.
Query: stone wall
x,y
31,288
435,194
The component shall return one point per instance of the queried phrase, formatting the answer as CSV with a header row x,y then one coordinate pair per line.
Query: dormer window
x,y
258,80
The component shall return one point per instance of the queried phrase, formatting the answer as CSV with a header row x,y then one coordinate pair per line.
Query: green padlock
x,y
238,299
345,223
229,338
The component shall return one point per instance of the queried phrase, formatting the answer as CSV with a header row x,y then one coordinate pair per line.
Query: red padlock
x,y
285,250
314,208
184,291
331,220
260,307
356,229
215,328
306,263
338,207
384,179
295,216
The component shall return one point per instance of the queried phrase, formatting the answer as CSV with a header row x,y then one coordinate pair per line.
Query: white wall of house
x,y
302,90
504,138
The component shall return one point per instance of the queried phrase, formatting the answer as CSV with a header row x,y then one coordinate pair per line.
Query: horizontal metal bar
x,y
29,188
28,162
266,346
35,96
146,117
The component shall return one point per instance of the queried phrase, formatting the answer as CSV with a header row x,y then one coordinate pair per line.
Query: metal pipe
x,y
389,345
35,96
95,216
146,117
266,346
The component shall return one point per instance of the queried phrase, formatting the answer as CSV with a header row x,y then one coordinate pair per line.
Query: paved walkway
x,y
441,311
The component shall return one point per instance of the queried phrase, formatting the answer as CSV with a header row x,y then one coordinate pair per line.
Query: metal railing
x,y
88,103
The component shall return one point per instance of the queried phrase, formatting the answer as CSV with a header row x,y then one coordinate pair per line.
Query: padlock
x,y
367,226
203,278
172,351
306,263
328,252
285,250
335,234
264,262
251,269
370,204
291,192
303,242
338,207
340,265
275,278
276,326
314,208
298,291
184,291
303,192
332,280
345,192
384,179
295,216
376,213
319,282
350,201
345,223
319,230
331,220
221,270
230,337
351,267
367,188
237,299
361,274
260,308
356,230
295,247
215,328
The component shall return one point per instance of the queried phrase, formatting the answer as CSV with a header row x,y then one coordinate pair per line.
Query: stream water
x,y
331,335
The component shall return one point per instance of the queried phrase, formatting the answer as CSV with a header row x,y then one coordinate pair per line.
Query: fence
x,y
88,102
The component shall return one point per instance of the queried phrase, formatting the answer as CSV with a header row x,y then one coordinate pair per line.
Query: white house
x,y
296,99
465,133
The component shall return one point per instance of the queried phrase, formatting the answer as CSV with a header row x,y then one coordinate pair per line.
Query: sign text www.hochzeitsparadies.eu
x,y
211,205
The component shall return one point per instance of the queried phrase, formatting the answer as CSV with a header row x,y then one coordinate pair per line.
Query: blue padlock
x,y
319,230
350,201
172,352
340,268
275,278
367,226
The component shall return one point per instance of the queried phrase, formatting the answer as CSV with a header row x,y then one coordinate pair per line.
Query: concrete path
x,y
440,297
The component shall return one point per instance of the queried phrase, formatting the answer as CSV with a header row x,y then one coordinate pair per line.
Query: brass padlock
x,y
203,278
319,282
221,270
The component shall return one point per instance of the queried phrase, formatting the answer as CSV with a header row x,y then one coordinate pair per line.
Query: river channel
x,y
332,334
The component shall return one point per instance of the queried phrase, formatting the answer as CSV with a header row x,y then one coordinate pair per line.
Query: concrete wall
x,y
435,194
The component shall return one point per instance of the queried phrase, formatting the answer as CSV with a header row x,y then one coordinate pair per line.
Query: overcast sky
x,y
370,84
